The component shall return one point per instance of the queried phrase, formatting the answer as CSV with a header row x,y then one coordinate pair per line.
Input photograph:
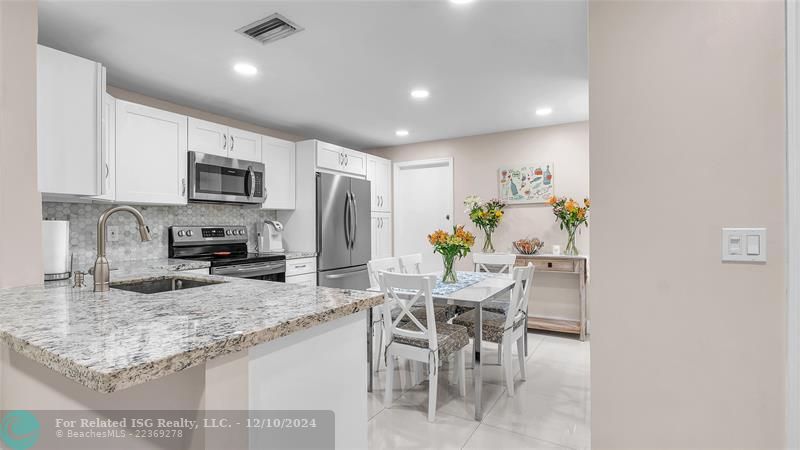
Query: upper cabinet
x,y
69,137
340,159
150,155
278,157
379,173
108,149
221,140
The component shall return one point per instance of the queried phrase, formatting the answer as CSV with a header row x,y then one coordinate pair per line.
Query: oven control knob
x,y
228,232
189,233
241,232
180,233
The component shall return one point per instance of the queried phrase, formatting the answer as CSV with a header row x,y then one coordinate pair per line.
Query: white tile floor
x,y
549,410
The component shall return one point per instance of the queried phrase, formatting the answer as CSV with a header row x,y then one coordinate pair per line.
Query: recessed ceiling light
x,y
420,93
460,2
544,111
245,69
401,133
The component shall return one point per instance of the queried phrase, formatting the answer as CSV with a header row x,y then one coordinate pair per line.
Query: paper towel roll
x,y
55,246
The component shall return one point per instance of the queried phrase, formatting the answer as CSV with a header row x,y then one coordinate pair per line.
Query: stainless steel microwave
x,y
219,179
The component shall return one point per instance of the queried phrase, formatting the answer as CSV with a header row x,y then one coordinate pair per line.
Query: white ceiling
x,y
347,77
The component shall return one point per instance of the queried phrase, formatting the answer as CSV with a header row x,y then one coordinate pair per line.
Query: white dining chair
x,y
509,328
425,341
373,267
504,262
411,263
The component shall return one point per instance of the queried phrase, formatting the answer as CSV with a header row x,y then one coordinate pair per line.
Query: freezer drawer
x,y
350,278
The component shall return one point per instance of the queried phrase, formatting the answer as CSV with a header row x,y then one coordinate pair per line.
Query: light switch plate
x,y
744,244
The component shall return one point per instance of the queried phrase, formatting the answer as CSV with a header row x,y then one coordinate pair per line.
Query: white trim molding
x,y
793,223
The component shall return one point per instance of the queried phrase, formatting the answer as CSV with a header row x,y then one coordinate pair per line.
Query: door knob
x,y
447,217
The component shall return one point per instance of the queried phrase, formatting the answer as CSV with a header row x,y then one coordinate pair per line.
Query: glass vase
x,y
571,249
449,275
488,247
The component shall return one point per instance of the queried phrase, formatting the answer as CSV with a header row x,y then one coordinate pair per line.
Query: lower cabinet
x,y
302,271
381,235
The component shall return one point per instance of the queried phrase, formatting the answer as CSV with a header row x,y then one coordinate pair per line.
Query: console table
x,y
578,265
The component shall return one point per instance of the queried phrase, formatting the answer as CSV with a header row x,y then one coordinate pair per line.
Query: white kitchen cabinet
x,y
216,139
379,173
151,155
244,145
278,157
108,149
308,279
301,266
207,137
381,235
339,159
68,111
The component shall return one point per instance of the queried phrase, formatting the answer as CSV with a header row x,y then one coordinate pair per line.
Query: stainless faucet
x,y
101,271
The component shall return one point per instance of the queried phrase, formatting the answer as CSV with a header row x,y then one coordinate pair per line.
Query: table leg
x,y
369,349
582,289
476,366
525,326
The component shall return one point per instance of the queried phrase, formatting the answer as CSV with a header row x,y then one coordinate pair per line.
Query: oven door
x,y
267,271
215,178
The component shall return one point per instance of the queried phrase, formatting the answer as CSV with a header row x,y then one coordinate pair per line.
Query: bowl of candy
x,y
528,246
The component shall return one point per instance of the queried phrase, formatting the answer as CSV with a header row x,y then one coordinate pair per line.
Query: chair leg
x,y
460,370
378,351
387,395
402,364
500,353
521,354
508,367
432,390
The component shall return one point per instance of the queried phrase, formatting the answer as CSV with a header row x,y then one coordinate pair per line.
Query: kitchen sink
x,y
162,284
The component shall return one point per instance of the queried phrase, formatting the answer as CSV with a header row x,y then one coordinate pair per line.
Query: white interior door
x,y
423,202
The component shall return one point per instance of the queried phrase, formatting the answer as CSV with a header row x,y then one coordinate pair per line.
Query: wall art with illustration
x,y
531,183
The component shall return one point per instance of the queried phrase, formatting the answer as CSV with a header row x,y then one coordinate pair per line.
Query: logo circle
x,y
19,430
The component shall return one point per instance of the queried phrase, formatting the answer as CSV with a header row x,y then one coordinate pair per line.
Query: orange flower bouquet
x,y
451,246
571,216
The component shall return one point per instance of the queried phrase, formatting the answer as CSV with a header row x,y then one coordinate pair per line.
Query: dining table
x,y
472,290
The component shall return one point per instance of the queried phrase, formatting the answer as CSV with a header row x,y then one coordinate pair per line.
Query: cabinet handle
x,y
233,143
108,171
300,266
183,186
346,159
266,193
224,141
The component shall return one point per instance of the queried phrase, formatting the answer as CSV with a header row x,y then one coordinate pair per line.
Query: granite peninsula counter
x,y
274,336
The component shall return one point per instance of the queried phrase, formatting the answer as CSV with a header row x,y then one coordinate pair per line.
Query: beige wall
x,y
477,158
20,202
135,97
475,163
687,137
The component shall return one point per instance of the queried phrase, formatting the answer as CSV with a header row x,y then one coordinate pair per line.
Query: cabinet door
x,y
330,156
384,185
279,158
68,116
108,154
244,145
372,176
207,137
381,236
151,155
309,279
355,162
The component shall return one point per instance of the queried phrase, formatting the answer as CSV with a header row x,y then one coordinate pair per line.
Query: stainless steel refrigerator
x,y
343,231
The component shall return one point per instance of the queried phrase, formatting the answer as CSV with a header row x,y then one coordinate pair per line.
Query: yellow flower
x,y
498,214
581,213
571,205
552,200
587,202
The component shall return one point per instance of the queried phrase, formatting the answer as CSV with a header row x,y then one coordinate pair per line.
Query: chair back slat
x,y
384,264
404,291
505,262
520,294
411,263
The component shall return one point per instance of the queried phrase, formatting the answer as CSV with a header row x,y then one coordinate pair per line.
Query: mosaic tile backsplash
x,y
83,227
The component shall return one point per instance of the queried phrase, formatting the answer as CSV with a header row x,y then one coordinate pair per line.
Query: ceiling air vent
x,y
270,29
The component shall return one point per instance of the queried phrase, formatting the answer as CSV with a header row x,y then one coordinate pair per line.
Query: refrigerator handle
x,y
355,220
347,219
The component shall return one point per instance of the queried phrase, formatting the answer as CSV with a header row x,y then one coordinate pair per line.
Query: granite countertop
x,y
293,255
113,340
157,263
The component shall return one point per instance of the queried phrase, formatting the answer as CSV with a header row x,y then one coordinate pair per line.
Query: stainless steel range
x,y
225,247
